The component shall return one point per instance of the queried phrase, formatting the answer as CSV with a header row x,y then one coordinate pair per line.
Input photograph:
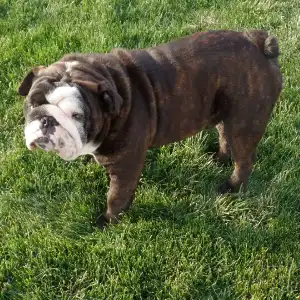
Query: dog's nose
x,y
44,123
47,121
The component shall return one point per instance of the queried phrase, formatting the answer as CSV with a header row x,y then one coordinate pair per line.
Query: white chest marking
x,y
89,148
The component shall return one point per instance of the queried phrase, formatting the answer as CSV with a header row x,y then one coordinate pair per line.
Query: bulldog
x,y
117,105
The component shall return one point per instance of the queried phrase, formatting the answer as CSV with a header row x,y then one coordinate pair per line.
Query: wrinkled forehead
x,y
63,72
67,97
58,84
47,80
50,89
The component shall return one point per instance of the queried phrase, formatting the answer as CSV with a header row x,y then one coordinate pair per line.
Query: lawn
x,y
180,239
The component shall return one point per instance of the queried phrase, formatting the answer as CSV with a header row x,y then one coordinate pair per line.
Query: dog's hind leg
x,y
224,153
243,146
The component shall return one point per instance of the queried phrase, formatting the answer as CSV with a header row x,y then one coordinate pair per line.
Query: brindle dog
x,y
118,105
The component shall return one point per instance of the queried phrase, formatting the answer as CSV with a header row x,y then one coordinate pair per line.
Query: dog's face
x,y
57,120
64,113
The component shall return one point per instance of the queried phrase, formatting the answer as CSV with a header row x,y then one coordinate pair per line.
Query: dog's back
x,y
200,80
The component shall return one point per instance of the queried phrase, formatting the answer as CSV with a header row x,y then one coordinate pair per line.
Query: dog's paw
x,y
105,219
226,188
101,222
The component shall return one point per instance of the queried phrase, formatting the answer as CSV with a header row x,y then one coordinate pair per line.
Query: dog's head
x,y
67,105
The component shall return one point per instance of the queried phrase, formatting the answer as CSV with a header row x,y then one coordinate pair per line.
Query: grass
x,y
180,240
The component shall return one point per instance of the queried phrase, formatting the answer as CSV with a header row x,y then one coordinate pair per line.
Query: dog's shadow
x,y
178,181
174,187
177,198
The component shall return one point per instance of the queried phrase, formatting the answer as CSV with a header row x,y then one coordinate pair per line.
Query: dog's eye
x,y
77,116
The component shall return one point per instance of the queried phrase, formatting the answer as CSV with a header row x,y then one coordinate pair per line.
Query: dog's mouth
x,y
43,143
55,139
36,136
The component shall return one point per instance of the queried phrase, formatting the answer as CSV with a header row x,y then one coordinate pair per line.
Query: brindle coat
x,y
164,94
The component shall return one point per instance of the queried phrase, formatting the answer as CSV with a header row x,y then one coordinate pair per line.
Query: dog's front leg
x,y
123,182
124,176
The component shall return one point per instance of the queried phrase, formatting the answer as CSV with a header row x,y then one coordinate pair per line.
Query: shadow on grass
x,y
176,200
174,189
175,180
4,10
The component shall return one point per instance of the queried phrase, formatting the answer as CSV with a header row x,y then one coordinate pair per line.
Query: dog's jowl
x,y
117,105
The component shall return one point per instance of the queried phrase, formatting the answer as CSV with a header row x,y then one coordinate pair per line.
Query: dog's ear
x,y
26,84
111,100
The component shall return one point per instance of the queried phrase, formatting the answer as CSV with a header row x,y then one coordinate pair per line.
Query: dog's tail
x,y
271,48
267,44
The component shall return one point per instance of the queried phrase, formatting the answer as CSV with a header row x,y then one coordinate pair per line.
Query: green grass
x,y
180,240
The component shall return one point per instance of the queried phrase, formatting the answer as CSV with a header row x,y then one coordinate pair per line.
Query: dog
x,y
117,105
